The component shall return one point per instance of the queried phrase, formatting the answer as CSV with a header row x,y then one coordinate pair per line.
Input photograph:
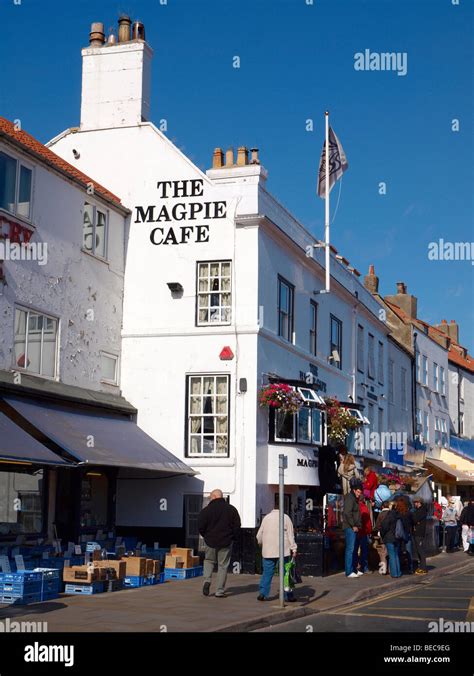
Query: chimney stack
x,y
97,35
242,156
218,159
405,301
124,28
229,157
451,330
138,31
371,281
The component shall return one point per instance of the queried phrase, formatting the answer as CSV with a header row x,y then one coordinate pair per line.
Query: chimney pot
x,y
229,157
242,156
218,158
97,35
124,28
138,31
371,281
401,287
254,157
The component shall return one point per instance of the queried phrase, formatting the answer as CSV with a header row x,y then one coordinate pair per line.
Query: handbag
x,y
400,531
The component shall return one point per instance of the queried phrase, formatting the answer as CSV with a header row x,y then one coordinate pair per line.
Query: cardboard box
x,y
96,555
81,574
196,561
150,566
185,554
173,561
120,567
156,567
135,565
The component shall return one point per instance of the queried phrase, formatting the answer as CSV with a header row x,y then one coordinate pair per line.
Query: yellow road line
x,y
410,608
368,602
470,611
393,617
439,597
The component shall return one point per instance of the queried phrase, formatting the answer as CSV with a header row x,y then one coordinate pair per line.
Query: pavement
x,y
179,606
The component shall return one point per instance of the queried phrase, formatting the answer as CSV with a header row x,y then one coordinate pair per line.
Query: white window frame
x,y
418,367
426,425
214,311
380,364
435,377
425,371
20,163
25,369
310,397
438,437
201,414
103,210
444,433
313,329
443,380
360,348
291,440
115,357
391,369
461,423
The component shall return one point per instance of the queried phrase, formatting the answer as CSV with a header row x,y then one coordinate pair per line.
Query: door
x,y
193,504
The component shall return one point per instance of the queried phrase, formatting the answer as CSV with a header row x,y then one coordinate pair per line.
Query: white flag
x,y
337,164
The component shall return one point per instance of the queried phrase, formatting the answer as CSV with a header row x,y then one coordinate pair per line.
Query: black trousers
x,y
419,551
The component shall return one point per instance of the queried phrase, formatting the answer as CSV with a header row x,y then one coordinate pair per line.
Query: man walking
x,y
420,515
268,537
467,521
351,523
219,525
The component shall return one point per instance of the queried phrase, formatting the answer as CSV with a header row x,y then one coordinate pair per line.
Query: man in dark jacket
x,y
351,522
419,516
219,525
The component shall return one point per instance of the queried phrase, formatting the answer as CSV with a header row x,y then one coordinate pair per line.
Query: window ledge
x,y
95,257
210,461
22,219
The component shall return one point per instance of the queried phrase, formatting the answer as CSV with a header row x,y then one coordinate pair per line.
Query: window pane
x,y
100,233
225,270
20,338
304,425
221,444
203,316
49,347
214,269
195,444
195,385
284,425
28,489
88,228
316,425
35,324
221,425
208,385
108,367
196,405
7,182
208,444
283,297
24,196
94,499
204,286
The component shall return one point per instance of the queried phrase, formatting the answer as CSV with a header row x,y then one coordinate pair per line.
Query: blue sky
x,y
297,60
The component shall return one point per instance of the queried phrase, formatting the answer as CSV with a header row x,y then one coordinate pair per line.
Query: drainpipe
x,y
414,384
459,401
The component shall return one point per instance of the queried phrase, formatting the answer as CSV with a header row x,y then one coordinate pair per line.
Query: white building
x,y
62,260
222,296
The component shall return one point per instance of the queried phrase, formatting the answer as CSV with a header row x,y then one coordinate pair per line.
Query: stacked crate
x,y
181,564
21,588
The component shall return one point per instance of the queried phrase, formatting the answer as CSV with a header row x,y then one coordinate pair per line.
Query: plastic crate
x,y
179,573
22,576
133,581
49,596
23,600
85,589
113,585
19,589
198,571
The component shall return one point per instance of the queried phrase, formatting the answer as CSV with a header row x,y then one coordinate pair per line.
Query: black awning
x,y
16,445
99,438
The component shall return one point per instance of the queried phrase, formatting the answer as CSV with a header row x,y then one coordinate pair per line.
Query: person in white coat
x,y
269,539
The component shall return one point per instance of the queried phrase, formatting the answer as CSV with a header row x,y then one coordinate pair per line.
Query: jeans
x,y
222,556
409,551
393,559
351,538
269,566
419,551
450,536
362,558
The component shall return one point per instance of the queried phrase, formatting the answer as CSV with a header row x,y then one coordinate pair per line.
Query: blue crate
x,y
133,581
129,543
14,600
18,589
22,576
198,571
49,596
178,573
113,585
85,589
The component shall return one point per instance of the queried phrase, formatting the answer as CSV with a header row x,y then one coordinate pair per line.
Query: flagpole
x,y
326,220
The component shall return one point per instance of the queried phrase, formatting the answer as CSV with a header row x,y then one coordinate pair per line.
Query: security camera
x,y
76,154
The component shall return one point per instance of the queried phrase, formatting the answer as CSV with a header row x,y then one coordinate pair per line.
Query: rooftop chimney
x,y
218,159
254,158
116,79
124,28
451,329
229,157
405,301
242,156
97,35
371,281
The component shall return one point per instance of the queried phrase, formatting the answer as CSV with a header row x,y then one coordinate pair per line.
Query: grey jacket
x,y
351,512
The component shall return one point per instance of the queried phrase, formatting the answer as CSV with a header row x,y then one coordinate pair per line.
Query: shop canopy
x,y
97,437
460,476
462,446
16,445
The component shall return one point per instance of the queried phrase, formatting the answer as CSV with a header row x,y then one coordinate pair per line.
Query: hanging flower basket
x,y
281,396
340,422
